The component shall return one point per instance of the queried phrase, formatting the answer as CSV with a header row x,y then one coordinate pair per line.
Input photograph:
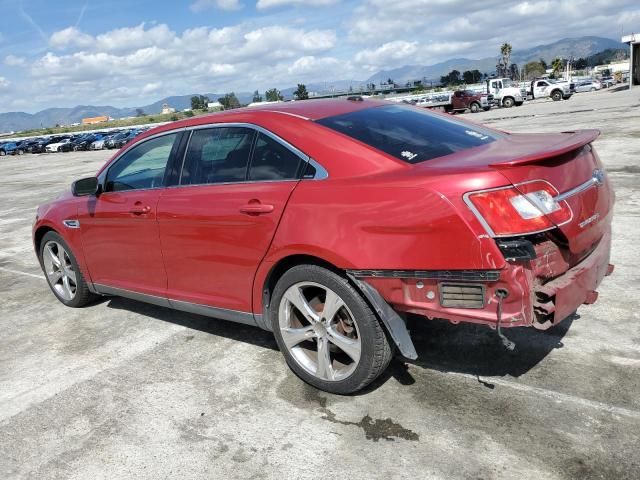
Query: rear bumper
x,y
533,299
560,297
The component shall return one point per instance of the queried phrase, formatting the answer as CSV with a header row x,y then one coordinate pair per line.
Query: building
x,y
92,120
167,109
215,106
633,41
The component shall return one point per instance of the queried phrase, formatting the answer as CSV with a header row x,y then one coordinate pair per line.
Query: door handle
x,y
256,208
138,209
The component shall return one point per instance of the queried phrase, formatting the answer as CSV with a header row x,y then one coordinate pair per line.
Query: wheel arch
x,y
279,268
39,234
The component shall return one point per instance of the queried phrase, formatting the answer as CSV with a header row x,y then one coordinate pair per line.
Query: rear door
x,y
217,224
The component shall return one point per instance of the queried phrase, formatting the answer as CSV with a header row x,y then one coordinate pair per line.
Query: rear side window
x,y
217,155
409,134
273,161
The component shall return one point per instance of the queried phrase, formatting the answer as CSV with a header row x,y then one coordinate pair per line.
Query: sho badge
x,y
589,220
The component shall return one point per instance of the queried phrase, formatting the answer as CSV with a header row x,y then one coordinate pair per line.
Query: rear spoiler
x,y
572,141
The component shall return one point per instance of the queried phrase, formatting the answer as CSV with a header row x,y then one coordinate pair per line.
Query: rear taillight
x,y
526,208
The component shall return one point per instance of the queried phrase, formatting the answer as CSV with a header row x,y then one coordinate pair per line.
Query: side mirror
x,y
85,186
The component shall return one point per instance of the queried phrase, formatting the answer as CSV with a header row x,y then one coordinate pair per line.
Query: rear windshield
x,y
407,133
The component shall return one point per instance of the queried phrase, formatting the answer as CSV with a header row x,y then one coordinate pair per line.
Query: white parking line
x,y
560,397
27,274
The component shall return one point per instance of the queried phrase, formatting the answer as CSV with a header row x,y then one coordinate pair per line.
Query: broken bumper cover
x,y
531,299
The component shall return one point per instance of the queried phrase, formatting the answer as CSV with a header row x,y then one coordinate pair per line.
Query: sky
x,y
132,52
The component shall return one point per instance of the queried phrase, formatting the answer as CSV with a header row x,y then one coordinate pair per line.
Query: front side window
x,y
143,166
409,134
273,161
217,155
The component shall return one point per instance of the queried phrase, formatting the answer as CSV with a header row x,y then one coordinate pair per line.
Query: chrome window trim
x,y
103,176
321,172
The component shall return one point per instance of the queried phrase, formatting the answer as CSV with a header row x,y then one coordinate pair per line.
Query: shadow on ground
x,y
463,348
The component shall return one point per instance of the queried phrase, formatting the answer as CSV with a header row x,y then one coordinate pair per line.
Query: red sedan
x,y
325,221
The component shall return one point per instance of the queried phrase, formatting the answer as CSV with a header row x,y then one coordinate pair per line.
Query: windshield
x,y
410,134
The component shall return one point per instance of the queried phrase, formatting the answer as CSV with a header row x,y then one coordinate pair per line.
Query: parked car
x,y
120,141
324,221
59,146
113,141
35,145
588,86
84,141
11,148
462,100
607,82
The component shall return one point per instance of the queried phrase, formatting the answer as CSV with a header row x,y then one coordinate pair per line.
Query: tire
x,y
519,104
62,288
592,89
486,109
352,327
556,95
508,102
474,107
448,109
20,152
2,153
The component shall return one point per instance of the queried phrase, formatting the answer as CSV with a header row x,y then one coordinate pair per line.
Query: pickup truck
x,y
555,89
458,101
505,92
462,100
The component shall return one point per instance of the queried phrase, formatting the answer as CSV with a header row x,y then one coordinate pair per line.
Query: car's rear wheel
x,y
326,331
63,274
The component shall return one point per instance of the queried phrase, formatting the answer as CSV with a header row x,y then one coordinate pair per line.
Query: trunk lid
x,y
567,161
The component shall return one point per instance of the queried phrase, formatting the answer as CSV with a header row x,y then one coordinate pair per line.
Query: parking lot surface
x,y
127,390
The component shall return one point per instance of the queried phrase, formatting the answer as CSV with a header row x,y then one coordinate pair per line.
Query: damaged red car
x,y
325,221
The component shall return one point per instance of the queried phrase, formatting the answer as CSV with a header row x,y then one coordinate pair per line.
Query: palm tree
x,y
556,65
505,51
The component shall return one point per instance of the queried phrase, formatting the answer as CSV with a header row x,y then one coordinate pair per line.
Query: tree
x,y
229,101
544,64
301,92
452,78
189,113
273,95
139,112
505,53
514,71
471,76
534,69
556,65
256,97
199,102
580,64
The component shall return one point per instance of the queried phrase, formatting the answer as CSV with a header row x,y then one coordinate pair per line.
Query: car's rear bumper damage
x,y
539,293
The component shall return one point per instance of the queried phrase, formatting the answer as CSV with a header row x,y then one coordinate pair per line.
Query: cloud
x,y
264,4
14,61
4,83
129,61
201,5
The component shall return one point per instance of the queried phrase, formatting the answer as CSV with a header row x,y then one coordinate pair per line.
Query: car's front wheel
x,y
63,274
326,331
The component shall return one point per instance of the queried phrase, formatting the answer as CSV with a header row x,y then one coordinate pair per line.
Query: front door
x,y
119,226
217,224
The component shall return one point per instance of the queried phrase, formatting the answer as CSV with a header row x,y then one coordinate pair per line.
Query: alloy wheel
x,y
59,270
319,331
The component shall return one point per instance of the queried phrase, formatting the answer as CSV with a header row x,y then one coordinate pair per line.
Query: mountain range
x,y
577,47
